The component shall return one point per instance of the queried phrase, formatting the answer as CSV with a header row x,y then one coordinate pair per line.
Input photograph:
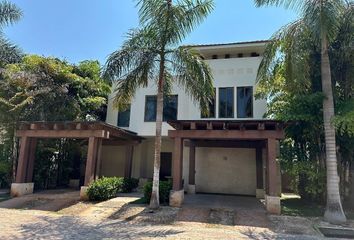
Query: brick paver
x,y
31,224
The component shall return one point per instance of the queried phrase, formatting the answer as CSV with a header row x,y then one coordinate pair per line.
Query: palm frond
x,y
288,4
323,17
9,53
193,74
289,49
132,66
173,21
9,13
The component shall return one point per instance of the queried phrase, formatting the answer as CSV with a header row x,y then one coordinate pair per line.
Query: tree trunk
x,y
154,200
334,211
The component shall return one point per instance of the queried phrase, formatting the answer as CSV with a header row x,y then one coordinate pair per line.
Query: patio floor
x,y
223,201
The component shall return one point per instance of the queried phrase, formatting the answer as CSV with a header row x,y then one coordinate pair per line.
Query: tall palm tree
x,y
9,14
320,20
151,55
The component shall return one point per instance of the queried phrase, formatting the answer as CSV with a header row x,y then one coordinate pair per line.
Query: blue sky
x,y
77,30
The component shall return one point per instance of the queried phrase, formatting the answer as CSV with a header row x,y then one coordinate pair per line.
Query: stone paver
x,y
117,219
30,224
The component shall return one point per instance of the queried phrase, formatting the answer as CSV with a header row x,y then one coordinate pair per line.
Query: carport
x,y
251,134
97,134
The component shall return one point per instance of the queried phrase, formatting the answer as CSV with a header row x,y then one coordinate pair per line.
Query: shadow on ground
x,y
68,227
50,200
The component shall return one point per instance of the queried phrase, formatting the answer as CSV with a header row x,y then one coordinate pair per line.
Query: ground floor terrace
x,y
236,158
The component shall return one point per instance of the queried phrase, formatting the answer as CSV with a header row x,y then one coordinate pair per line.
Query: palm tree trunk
x,y
334,211
154,200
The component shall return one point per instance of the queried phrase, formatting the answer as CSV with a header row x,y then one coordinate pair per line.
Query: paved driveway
x,y
118,219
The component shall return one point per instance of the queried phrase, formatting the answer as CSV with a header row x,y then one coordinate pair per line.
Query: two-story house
x,y
232,151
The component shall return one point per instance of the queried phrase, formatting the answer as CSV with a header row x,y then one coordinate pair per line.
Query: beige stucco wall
x,y
218,170
226,170
113,161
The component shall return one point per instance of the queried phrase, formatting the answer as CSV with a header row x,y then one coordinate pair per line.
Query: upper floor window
x,y
244,102
124,118
169,108
212,108
226,102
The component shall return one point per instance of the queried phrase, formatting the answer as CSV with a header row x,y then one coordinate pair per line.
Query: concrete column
x,y
273,195
177,193
191,182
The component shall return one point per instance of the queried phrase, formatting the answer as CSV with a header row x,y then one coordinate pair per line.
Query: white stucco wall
x,y
232,72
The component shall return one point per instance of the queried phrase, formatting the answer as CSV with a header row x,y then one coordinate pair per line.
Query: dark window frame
x,y
163,117
232,115
214,109
252,102
119,117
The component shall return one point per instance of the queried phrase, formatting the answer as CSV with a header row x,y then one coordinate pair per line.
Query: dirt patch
x,y
251,219
76,209
138,213
221,216
293,225
189,214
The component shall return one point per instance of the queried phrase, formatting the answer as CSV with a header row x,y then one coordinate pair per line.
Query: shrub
x,y
129,184
104,188
108,187
164,191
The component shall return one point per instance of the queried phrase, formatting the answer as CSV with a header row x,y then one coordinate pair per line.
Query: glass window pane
x,y
226,103
170,108
212,106
244,102
124,118
150,109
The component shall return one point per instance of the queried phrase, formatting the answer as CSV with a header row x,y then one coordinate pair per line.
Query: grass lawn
x,y
293,205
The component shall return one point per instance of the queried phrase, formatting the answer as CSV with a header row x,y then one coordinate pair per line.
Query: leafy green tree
x,y
9,14
48,89
316,30
151,53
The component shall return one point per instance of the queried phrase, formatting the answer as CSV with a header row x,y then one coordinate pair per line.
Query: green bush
x,y
164,191
129,184
108,187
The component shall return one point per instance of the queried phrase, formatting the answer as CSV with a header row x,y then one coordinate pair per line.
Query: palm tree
x,y
151,53
320,20
9,14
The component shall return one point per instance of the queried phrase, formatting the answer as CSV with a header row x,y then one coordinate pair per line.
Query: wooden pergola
x,y
97,134
257,134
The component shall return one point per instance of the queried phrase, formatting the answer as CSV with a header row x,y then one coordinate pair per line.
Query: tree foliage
x,y
49,89
290,77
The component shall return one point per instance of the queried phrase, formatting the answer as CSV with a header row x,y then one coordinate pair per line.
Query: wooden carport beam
x,y
177,164
92,154
22,160
129,149
191,163
63,133
226,134
272,168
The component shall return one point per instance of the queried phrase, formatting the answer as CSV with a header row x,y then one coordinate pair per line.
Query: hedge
x,y
164,191
108,187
